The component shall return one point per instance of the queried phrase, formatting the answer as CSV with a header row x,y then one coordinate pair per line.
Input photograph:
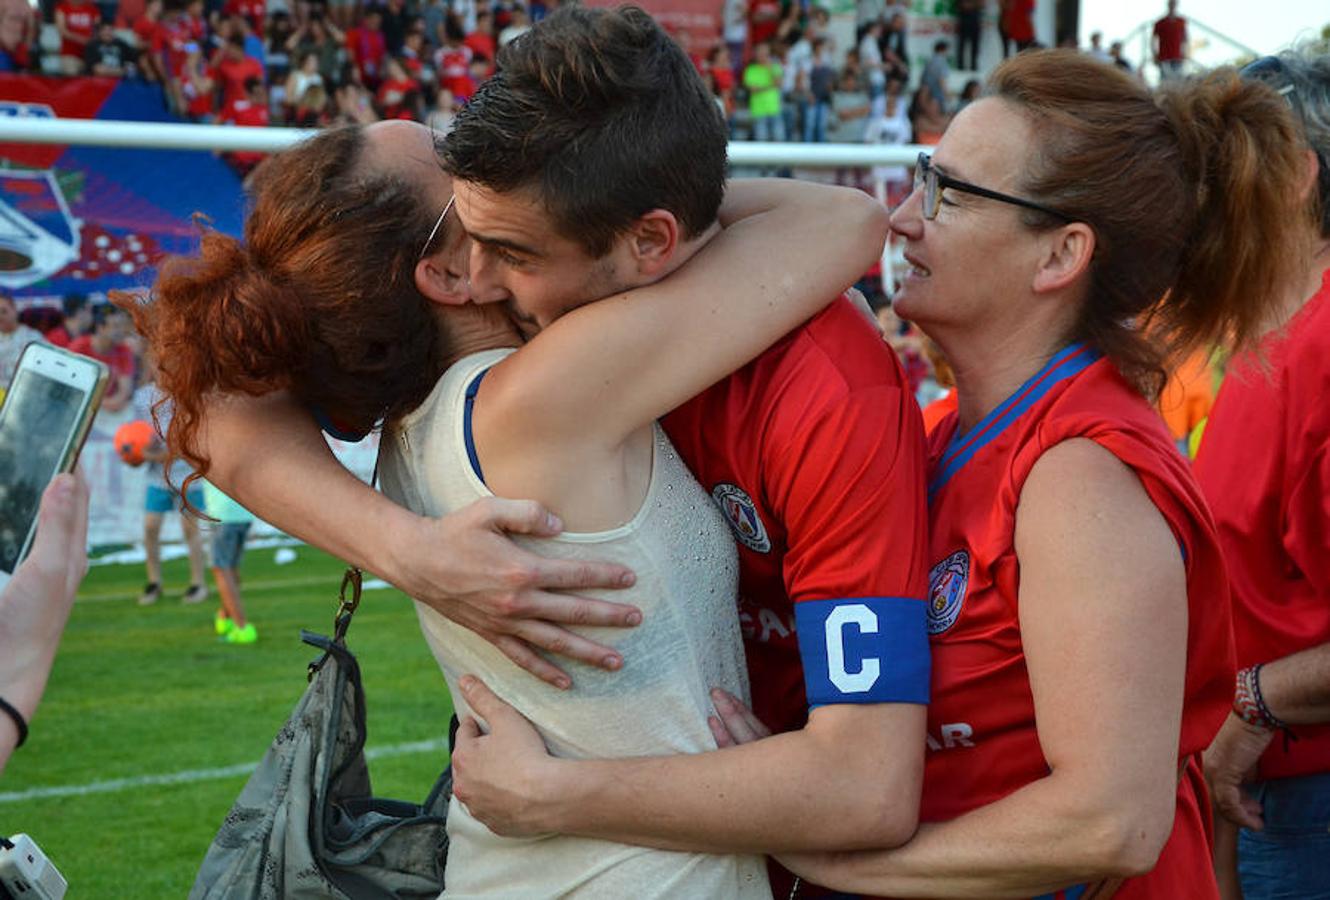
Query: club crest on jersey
x,y
946,591
741,513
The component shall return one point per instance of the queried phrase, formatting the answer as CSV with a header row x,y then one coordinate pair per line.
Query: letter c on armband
x,y
864,650
870,669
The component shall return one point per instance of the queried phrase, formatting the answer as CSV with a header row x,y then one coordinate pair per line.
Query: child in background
x,y
228,547
161,498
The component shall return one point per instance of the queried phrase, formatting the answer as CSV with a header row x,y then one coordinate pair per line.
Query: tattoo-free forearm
x,y
1045,836
777,794
272,458
1297,687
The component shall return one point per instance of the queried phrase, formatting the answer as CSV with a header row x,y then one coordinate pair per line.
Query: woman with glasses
x,y
1071,233
1264,465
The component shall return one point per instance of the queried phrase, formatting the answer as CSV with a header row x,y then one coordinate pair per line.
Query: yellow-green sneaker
x,y
223,624
247,635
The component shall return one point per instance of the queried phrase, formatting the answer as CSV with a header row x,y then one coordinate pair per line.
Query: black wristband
x,y
19,722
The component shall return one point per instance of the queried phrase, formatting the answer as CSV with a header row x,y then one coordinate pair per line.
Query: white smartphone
x,y
44,420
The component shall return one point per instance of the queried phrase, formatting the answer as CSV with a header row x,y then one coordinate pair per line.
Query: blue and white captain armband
x,y
864,650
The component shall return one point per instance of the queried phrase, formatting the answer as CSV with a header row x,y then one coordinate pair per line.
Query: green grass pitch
x,y
150,691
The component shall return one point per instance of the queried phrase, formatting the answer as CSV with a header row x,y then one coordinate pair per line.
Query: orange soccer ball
x,y
132,438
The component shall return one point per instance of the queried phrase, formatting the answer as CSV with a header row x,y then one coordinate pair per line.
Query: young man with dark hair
x,y
598,133
595,123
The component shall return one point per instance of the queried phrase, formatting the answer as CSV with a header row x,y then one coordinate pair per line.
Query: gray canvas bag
x,y
306,824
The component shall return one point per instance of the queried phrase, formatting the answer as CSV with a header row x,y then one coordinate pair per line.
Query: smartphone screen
x,y
39,424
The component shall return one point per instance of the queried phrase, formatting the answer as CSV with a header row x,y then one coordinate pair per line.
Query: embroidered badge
x,y
741,513
946,591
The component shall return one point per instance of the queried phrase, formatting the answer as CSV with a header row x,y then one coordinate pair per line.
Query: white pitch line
x,y
189,776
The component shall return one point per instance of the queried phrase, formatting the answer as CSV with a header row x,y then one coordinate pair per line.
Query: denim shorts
x,y
228,544
160,499
1290,858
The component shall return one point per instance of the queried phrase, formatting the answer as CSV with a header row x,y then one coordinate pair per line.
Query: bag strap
x,y
346,605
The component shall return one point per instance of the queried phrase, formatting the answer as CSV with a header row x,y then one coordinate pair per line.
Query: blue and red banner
x,y
81,220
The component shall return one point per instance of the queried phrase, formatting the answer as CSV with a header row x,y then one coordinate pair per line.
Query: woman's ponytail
x,y
1243,156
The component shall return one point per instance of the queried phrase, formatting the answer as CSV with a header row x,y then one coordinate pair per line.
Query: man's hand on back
x,y
467,567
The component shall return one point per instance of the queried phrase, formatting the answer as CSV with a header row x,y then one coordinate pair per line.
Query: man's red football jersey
x,y
814,453
1264,465
982,739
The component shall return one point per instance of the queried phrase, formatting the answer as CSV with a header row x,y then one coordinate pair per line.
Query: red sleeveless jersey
x,y
982,741
1264,464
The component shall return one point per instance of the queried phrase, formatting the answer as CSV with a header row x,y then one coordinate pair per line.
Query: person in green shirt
x,y
762,78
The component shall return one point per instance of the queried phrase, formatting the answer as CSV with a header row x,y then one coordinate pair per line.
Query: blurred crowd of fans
x,y
776,68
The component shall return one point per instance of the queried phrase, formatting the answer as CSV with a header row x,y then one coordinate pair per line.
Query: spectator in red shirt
x,y
1170,42
150,39
481,41
253,11
415,53
106,342
78,321
453,61
368,48
235,69
1017,25
198,86
397,92
250,110
763,21
76,20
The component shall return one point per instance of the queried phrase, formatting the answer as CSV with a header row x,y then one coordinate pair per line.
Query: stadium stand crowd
x,y
776,69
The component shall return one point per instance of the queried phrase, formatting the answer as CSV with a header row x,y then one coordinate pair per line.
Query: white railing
x,y
171,136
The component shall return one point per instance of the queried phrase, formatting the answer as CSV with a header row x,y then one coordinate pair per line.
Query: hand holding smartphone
x,y
43,423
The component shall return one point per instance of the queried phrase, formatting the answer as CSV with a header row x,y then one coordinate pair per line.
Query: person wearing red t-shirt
x,y
453,62
198,85
106,342
176,32
763,21
251,111
1017,24
1168,41
77,321
253,11
1264,465
76,20
235,69
1081,636
481,41
367,47
149,38
399,93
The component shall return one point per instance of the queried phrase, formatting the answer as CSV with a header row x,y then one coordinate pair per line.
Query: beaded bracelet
x,y
19,721
1250,705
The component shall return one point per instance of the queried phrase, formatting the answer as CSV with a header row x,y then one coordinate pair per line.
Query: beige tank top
x,y
689,641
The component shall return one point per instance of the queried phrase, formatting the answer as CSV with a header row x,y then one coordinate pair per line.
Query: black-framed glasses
x,y
934,183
